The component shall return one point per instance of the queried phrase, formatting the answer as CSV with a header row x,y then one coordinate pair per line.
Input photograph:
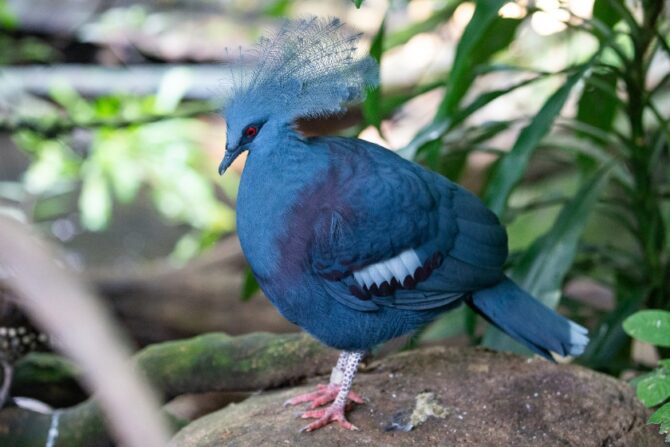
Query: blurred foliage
x,y
17,50
7,19
600,121
653,389
133,143
24,50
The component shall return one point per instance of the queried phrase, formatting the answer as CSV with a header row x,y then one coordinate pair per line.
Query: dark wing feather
x,y
387,205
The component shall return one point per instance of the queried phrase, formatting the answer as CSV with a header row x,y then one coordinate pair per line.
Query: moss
x,y
210,362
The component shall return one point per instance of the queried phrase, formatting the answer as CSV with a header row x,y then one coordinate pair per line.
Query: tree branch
x,y
211,362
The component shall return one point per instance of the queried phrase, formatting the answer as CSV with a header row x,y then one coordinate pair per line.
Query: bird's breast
x,y
275,211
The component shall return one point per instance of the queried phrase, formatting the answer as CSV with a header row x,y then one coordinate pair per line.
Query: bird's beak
x,y
229,158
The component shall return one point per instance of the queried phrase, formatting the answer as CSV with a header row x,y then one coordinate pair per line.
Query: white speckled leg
x,y
338,372
326,393
335,412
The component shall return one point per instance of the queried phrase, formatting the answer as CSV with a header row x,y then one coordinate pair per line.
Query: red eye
x,y
250,132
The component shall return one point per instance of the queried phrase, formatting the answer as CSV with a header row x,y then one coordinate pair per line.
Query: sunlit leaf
x,y
8,20
485,34
543,266
79,110
428,134
174,84
372,104
487,97
53,164
278,8
95,202
649,326
511,168
115,157
475,47
186,248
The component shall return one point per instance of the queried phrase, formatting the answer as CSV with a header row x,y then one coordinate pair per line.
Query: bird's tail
x,y
528,321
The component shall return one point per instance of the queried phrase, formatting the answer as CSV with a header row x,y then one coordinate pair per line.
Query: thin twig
x,y
55,129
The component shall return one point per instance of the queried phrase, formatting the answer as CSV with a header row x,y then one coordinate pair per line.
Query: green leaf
x,y
249,285
485,34
654,389
173,86
605,12
95,201
372,110
476,46
279,8
543,267
662,417
512,166
490,96
649,326
8,20
597,105
358,3
665,364
427,135
393,100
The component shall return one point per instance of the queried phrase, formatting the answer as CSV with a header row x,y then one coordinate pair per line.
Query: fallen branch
x,y
212,362
54,129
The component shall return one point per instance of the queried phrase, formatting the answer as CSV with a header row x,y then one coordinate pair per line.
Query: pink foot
x,y
324,416
323,395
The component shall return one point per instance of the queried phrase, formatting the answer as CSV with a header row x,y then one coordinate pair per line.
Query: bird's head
x,y
306,69
244,131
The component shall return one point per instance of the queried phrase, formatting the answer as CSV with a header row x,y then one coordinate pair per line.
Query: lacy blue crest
x,y
308,68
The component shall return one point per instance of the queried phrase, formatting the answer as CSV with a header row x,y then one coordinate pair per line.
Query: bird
x,y
350,241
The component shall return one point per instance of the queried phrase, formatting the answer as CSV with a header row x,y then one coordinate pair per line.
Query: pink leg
x,y
335,412
324,416
324,393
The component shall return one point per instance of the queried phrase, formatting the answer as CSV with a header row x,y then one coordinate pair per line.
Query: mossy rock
x,y
448,397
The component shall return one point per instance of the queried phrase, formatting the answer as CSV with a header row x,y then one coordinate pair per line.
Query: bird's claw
x,y
323,394
324,416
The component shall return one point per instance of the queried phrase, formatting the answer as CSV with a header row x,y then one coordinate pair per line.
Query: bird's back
x,y
343,205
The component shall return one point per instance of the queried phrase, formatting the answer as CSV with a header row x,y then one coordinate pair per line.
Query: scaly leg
x,y
335,412
326,393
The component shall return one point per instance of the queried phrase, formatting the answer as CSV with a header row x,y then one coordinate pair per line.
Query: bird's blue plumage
x,y
357,245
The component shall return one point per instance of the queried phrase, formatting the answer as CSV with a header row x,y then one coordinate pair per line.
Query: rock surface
x,y
466,397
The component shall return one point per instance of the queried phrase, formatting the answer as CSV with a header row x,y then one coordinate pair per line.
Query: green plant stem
x,y
67,125
650,235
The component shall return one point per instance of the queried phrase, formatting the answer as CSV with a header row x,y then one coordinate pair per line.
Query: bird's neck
x,y
270,187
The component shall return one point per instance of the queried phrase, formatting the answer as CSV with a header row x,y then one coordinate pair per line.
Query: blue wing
x,y
401,236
